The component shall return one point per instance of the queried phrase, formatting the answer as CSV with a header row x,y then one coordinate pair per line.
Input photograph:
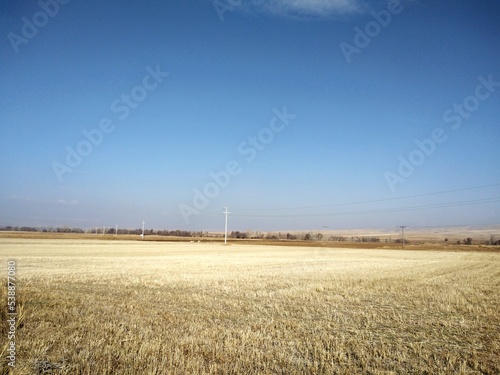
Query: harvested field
x,y
132,307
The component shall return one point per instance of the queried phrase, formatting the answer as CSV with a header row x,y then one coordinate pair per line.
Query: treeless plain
x,y
145,307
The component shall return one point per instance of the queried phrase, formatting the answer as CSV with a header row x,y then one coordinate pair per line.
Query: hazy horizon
x,y
292,114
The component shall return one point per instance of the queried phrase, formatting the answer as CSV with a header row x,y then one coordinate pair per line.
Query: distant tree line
x,y
9,228
107,230
186,233
309,236
468,241
306,236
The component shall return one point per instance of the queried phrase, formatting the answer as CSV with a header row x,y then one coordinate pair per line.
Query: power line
x,y
371,201
388,210
403,234
225,212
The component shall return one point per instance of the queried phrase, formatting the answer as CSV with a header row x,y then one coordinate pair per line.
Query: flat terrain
x,y
132,307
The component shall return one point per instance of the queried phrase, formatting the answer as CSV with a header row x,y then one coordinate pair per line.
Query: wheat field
x,y
137,307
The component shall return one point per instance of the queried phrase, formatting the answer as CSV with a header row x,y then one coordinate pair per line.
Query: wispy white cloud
x,y
72,202
314,8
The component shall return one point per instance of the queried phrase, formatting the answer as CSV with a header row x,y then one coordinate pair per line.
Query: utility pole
x,y
403,234
225,212
142,235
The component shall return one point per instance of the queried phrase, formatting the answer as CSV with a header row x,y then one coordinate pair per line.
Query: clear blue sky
x,y
316,108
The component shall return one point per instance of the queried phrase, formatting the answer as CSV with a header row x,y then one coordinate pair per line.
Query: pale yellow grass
x,y
100,307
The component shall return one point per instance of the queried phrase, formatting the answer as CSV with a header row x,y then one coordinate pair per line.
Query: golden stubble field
x,y
123,307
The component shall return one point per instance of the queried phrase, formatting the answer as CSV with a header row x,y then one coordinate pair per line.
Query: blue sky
x,y
344,114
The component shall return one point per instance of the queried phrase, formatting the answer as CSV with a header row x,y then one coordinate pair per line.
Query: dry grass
x,y
100,307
